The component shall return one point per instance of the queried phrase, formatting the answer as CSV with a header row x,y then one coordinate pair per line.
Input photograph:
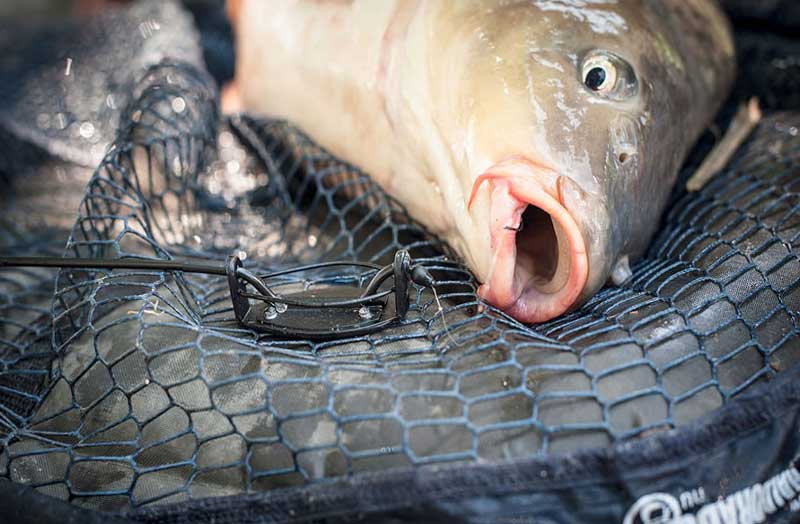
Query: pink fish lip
x,y
539,263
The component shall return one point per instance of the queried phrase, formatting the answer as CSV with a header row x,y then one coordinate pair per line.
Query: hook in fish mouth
x,y
539,262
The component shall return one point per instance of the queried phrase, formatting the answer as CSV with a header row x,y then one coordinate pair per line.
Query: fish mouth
x,y
539,262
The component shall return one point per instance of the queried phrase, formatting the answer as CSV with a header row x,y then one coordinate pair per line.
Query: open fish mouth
x,y
539,261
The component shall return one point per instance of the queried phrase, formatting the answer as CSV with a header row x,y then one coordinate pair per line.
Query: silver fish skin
x,y
540,138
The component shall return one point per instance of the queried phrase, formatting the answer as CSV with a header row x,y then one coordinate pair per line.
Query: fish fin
x,y
745,120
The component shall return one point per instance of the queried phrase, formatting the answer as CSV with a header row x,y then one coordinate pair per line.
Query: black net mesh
x,y
125,388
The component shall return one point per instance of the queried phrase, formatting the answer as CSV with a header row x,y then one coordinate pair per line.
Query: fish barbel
x,y
540,138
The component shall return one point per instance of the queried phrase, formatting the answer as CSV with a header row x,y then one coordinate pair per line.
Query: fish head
x,y
571,119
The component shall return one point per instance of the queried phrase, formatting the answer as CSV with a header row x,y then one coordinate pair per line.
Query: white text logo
x,y
751,505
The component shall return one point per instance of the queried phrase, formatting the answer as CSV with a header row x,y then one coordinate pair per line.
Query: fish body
x,y
539,138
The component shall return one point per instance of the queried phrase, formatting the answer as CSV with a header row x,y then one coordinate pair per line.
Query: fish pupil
x,y
595,78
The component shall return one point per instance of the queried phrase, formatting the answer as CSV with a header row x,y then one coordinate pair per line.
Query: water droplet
x,y
43,120
225,139
242,255
271,313
232,167
365,313
87,130
177,168
281,307
61,121
178,105
148,27
312,240
98,150
506,382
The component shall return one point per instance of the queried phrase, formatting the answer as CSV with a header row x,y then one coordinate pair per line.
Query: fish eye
x,y
608,75
600,74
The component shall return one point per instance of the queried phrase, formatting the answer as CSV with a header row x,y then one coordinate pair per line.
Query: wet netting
x,y
121,389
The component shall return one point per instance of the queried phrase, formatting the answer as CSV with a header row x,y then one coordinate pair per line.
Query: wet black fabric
x,y
749,442
216,38
781,15
24,505
746,444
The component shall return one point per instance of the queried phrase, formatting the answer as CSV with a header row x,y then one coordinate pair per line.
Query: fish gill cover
x,y
127,389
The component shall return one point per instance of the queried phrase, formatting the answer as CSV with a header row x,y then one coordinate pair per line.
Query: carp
x,y
539,138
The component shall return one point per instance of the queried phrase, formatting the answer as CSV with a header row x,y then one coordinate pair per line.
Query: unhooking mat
x,y
672,398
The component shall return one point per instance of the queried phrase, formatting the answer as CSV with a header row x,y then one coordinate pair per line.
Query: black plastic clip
x,y
330,311
324,312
